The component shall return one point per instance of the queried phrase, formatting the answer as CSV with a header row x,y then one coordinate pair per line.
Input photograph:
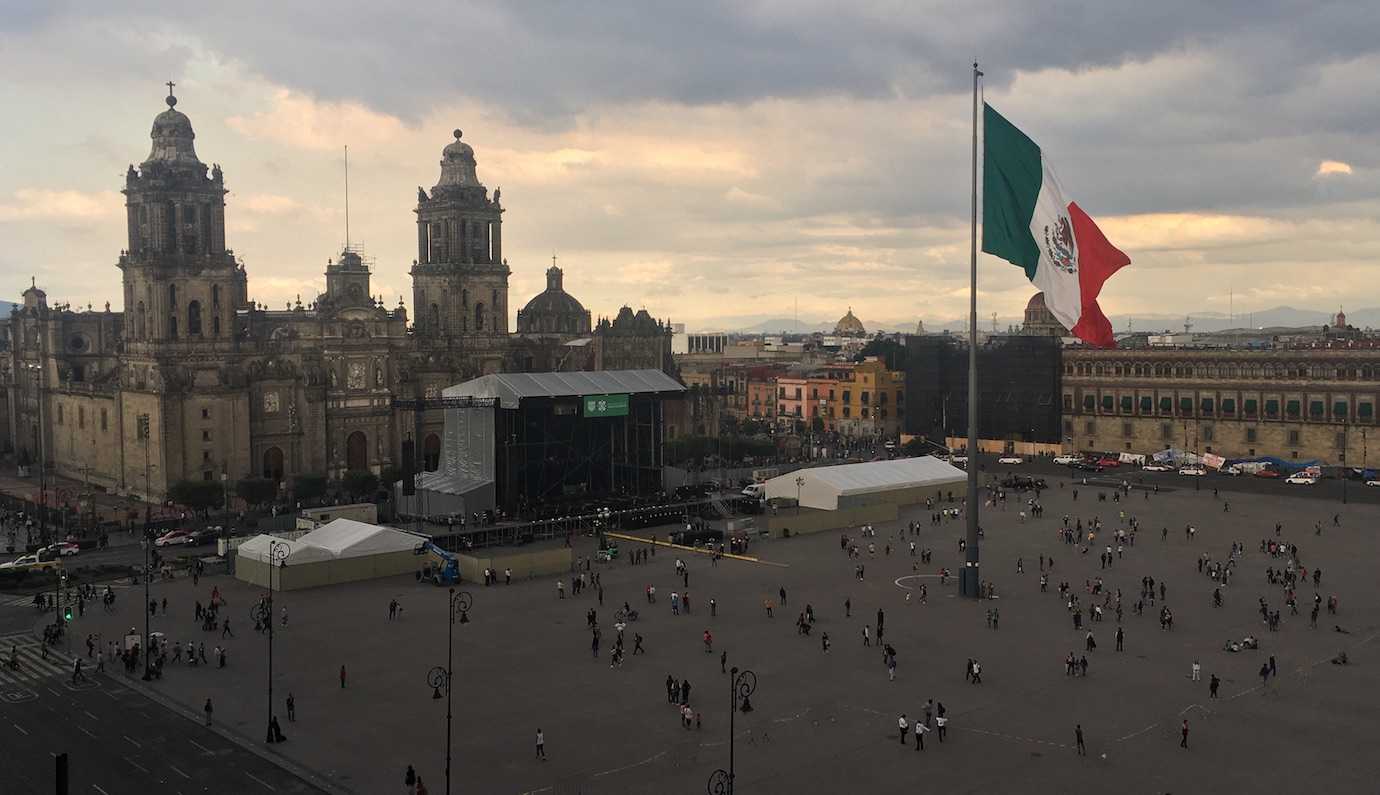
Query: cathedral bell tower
x,y
460,279
181,284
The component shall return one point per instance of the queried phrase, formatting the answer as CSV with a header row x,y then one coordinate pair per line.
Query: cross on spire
x,y
553,259
170,85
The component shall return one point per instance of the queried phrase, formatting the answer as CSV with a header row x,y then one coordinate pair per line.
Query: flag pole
x,y
969,581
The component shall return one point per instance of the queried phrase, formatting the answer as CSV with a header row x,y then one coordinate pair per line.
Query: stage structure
x,y
514,440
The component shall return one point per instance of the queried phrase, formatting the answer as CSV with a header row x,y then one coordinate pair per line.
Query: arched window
x,y
479,316
215,326
139,320
194,319
273,464
215,295
435,317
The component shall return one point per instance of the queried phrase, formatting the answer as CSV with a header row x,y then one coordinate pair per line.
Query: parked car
x,y
175,537
755,490
958,460
1267,473
1086,466
1065,460
1196,472
1301,480
1022,482
1231,471
1010,459
1108,461
62,549
1373,482
1157,468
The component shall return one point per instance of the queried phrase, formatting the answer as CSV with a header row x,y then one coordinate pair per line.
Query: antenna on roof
x,y
347,197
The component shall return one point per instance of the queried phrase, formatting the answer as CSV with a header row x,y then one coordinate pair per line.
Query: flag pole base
x,y
968,583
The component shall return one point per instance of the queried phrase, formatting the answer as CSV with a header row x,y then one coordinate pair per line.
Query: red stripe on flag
x,y
1098,259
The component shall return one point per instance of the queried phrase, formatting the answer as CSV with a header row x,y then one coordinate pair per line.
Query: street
x,y
118,741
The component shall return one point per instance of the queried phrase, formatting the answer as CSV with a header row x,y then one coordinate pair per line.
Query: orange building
x,y
853,399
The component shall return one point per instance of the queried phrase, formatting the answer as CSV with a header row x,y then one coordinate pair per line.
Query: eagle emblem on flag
x,y
1060,246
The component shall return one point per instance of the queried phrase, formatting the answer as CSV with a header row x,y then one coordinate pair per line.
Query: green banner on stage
x,y
605,405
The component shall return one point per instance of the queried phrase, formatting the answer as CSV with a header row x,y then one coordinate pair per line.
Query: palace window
x,y
1250,436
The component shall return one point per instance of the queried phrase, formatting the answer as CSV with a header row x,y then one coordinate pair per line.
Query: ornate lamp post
x,y
799,484
742,686
438,678
278,552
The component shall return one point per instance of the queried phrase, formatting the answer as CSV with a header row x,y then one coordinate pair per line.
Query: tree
x,y
360,483
308,488
391,474
889,351
256,491
199,495
817,424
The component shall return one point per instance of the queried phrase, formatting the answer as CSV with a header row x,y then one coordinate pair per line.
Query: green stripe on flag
x,y
1012,173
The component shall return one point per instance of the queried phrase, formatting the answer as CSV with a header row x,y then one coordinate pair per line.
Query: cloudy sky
x,y
717,163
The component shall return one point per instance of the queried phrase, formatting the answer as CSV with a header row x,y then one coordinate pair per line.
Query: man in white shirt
x,y
1197,670
903,726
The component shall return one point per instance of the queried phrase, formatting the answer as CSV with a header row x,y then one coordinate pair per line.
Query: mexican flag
x,y
1027,221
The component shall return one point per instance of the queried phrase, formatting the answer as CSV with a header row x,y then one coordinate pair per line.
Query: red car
x,y
1267,473
1109,462
175,537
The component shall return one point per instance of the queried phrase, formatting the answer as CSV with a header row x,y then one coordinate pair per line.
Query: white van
x,y
755,490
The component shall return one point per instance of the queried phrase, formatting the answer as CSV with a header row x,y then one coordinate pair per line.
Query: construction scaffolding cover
x,y
346,538
511,388
821,487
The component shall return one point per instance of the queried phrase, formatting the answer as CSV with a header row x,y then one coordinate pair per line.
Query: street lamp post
x,y
742,686
148,575
278,552
799,484
439,678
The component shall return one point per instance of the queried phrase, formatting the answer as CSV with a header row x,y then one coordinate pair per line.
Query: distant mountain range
x,y
1286,316
6,307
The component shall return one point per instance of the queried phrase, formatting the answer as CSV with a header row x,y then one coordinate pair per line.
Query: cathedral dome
x,y
172,138
553,311
849,326
458,166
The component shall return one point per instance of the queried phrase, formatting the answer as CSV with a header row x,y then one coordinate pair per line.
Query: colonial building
x,y
194,380
1315,402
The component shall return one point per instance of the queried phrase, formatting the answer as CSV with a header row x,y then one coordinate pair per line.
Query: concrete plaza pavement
x,y
828,721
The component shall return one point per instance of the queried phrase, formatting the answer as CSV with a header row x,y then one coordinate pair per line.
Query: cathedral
x,y
194,380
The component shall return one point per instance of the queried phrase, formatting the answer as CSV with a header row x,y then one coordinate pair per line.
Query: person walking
x,y
1078,737
541,745
410,780
291,708
1197,671
1183,735
208,709
903,726
1213,684
1120,639
920,730
342,677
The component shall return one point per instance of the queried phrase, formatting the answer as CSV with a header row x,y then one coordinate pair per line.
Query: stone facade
x,y
193,380
1300,404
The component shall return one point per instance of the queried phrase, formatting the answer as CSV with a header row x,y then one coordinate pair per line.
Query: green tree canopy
x,y
360,483
256,491
199,495
309,487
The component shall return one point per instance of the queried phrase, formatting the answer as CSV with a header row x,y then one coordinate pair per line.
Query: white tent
x,y
346,538
256,549
899,480
342,550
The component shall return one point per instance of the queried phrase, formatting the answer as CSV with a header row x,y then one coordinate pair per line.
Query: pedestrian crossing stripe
x,y
32,666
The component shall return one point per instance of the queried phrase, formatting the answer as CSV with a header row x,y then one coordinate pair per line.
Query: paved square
x,y
827,721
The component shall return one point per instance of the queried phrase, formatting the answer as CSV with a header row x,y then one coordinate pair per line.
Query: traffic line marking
x,y
20,729
261,781
199,745
132,741
179,772
697,550
85,731
97,787
136,764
